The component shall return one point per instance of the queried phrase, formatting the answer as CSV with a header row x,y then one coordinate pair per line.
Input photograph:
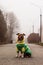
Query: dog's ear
x,y
23,34
17,33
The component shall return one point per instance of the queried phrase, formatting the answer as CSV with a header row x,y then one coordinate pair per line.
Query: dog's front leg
x,y
17,55
17,52
22,55
23,50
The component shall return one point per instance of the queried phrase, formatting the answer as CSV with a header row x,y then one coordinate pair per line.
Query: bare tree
x,y
13,25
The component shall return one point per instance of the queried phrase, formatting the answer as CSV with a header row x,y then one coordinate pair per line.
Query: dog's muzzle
x,y
20,38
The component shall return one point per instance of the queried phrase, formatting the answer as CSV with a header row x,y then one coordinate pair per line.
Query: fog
x,y
27,12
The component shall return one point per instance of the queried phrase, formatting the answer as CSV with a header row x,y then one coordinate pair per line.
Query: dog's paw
x,y
22,56
16,56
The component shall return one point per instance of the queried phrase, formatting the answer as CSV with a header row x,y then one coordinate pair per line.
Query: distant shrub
x,y
33,38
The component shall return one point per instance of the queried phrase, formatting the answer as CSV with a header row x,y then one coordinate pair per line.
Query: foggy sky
x,y
26,12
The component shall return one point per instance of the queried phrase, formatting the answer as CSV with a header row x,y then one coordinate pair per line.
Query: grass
x,y
41,44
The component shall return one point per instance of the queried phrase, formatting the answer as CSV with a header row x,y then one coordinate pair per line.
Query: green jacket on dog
x,y
23,48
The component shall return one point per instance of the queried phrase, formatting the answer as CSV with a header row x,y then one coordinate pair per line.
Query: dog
x,y
22,49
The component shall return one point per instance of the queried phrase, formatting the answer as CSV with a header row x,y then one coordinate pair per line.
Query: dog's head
x,y
20,36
